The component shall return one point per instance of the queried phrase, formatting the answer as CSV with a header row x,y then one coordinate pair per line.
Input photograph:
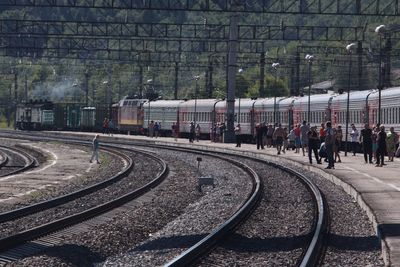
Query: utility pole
x,y
360,65
232,56
140,81
210,80
176,80
262,75
26,89
86,88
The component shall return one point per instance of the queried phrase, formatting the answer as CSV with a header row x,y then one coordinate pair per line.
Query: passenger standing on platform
x,y
111,127
313,144
381,147
96,145
151,129
354,138
105,126
336,145
339,137
297,134
285,140
322,133
259,136
366,141
191,132
217,132
278,136
374,138
304,137
174,129
238,133
198,132
292,139
329,141
269,133
391,140
222,131
156,129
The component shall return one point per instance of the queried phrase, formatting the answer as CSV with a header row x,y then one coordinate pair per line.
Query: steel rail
x,y
12,241
44,205
30,162
314,251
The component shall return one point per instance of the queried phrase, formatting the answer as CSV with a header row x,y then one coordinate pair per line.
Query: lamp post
x,y
275,67
349,49
148,118
195,98
238,117
380,30
309,59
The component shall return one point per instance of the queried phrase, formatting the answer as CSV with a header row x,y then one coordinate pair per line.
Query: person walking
x,y
354,138
156,129
313,144
366,141
329,142
391,140
151,129
95,146
238,133
374,138
381,147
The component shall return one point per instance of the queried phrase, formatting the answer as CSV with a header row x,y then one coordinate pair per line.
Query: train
x,y
133,116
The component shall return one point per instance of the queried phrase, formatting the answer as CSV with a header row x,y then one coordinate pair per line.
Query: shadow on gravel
x,y
170,242
75,255
357,243
242,243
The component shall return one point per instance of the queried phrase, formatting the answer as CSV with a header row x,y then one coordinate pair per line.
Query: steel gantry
x,y
187,31
324,7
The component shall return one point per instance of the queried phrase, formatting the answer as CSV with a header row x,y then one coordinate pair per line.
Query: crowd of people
x,y
326,143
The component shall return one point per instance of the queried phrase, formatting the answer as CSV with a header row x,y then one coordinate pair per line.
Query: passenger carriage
x,y
320,109
390,108
358,109
243,114
285,111
204,115
164,112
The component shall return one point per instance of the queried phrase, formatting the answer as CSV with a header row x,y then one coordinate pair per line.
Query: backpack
x,y
330,138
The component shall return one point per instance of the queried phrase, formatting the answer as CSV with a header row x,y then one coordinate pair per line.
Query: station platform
x,y
63,164
376,189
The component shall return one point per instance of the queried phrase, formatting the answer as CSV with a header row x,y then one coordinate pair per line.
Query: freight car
x,y
34,115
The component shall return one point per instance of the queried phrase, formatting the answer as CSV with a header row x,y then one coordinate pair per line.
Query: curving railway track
x,y
224,240
11,241
15,160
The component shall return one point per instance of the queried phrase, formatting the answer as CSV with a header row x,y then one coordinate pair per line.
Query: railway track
x,y
15,161
19,245
311,254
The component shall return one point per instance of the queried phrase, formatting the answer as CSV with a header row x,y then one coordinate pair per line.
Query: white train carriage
x,y
390,108
165,112
243,113
285,109
320,109
264,110
358,112
200,110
